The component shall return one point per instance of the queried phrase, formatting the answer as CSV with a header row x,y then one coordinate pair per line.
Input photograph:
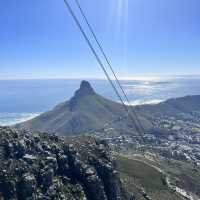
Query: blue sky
x,y
38,39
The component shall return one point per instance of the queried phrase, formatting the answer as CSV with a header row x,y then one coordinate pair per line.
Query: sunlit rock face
x,y
42,166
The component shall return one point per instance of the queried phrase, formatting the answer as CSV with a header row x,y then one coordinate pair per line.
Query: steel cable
x,y
138,128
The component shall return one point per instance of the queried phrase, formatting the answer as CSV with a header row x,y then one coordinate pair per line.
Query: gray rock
x,y
27,186
29,158
46,177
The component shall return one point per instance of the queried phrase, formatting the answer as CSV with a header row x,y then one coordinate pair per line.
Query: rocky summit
x,y
36,165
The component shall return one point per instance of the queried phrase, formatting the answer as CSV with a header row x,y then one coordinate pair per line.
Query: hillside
x,y
173,107
85,112
41,166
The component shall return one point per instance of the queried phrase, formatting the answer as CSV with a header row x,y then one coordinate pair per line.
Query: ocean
x,y
21,100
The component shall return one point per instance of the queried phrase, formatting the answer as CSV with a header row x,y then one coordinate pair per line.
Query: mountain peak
x,y
85,89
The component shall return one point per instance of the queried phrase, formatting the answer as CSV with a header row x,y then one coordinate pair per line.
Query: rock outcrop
x,y
40,166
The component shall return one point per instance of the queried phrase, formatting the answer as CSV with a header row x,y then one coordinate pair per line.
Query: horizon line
x,y
136,77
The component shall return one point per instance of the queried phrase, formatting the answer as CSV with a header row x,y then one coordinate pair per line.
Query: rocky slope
x,y
40,166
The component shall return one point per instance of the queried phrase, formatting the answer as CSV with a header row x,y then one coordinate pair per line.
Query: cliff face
x,y
42,166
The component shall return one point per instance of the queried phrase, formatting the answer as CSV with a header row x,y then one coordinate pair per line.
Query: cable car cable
x,y
99,61
109,63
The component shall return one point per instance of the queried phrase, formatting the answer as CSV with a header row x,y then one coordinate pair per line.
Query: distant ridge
x,y
173,107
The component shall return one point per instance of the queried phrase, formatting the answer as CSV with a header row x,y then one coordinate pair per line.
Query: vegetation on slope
x,y
137,174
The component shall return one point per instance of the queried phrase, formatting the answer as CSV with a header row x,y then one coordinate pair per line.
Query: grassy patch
x,y
148,176
137,174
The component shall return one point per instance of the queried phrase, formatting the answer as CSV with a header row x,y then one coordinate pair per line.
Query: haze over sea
x,y
21,100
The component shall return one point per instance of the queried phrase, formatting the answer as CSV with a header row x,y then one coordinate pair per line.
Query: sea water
x,y
21,100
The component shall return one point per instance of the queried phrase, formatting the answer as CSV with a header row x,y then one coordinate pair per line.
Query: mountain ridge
x,y
87,112
84,112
